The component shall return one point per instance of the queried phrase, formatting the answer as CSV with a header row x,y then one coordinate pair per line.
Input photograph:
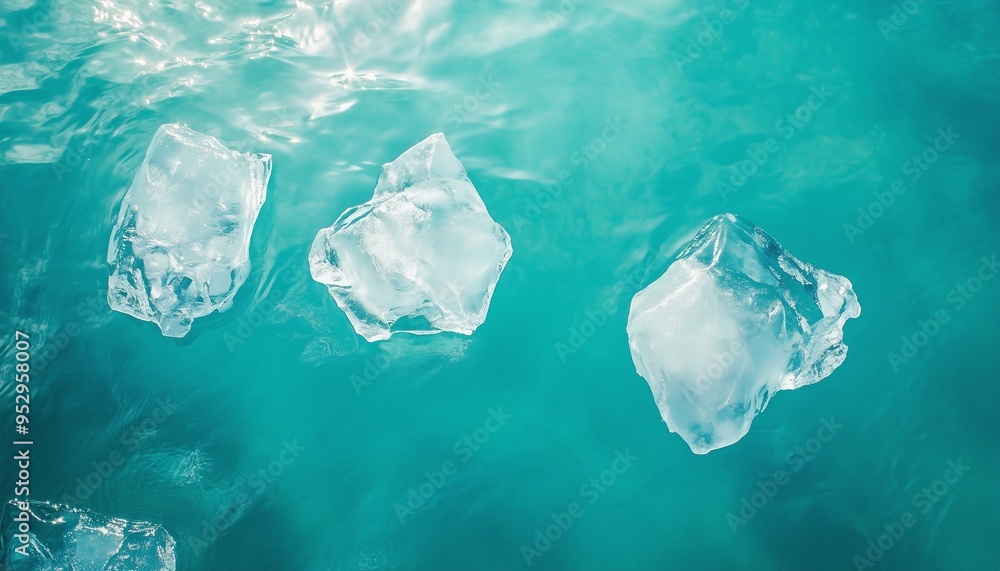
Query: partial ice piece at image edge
x,y
734,319
61,537
422,256
180,248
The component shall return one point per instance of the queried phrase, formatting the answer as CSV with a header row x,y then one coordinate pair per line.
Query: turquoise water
x,y
601,137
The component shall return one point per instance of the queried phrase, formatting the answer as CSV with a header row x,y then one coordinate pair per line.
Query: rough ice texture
x,y
64,538
422,256
180,246
734,319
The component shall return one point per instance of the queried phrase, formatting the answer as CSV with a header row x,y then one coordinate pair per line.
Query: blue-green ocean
x,y
602,135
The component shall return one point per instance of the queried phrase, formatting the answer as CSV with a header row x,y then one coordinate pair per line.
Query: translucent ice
x,y
61,537
734,319
422,256
180,246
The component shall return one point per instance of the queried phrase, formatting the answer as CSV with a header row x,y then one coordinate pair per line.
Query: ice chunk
x,y
180,247
734,319
422,256
61,537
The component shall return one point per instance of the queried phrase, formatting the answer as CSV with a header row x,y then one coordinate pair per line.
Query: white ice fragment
x,y
733,320
422,256
180,246
61,537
